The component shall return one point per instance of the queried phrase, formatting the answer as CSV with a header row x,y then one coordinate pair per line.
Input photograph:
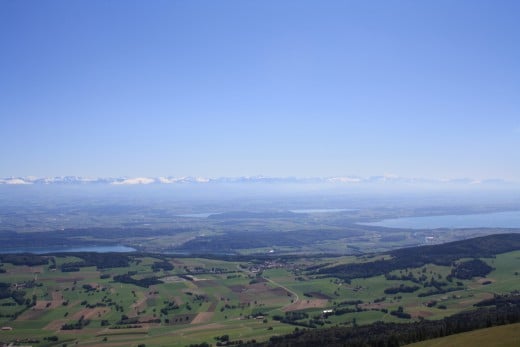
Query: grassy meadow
x,y
195,300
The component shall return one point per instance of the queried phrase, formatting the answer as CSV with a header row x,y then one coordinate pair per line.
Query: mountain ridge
x,y
341,180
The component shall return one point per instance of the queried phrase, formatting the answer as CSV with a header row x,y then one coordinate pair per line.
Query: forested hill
x,y
444,254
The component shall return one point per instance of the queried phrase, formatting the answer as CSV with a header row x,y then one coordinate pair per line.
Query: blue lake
x,y
97,249
318,210
197,215
322,210
510,219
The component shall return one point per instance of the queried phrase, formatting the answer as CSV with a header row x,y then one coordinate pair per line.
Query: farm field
x,y
500,336
88,299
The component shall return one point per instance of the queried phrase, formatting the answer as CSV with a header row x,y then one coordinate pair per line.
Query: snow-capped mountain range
x,y
244,179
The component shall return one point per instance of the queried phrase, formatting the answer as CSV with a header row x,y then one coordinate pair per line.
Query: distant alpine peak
x,y
344,180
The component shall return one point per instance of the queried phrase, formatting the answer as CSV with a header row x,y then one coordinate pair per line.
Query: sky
x,y
279,88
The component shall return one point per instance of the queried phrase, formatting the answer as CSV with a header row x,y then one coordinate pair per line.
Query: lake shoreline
x,y
508,219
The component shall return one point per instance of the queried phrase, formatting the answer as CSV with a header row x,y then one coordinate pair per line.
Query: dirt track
x,y
202,317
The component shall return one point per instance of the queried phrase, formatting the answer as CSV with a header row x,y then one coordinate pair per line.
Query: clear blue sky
x,y
279,88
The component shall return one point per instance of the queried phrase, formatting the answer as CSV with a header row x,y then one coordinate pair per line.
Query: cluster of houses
x,y
268,264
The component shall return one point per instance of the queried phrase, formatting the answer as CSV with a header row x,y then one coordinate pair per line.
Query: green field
x,y
196,300
500,336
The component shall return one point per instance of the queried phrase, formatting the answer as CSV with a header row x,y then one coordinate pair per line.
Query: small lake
x,y
196,215
510,219
322,210
97,249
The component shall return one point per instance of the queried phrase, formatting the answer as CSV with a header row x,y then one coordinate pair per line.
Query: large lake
x,y
509,219
97,249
